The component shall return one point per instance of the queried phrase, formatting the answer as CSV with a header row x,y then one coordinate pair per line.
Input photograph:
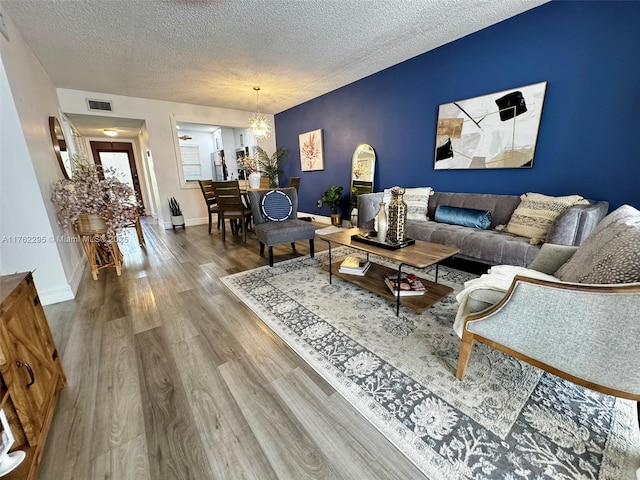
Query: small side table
x,y
101,250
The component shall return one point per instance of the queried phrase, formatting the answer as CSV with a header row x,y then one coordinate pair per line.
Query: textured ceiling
x,y
212,52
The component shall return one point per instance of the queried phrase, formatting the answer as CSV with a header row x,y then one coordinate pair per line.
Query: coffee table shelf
x,y
419,255
373,281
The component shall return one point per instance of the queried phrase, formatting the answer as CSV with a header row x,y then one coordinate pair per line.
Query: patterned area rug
x,y
506,420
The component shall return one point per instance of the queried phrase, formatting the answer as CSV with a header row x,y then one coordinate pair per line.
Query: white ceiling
x,y
212,52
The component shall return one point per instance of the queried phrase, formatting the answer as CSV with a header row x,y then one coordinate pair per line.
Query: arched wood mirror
x,y
363,167
60,147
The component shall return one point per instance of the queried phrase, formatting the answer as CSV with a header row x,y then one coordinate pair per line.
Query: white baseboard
x,y
66,292
76,276
56,295
205,220
323,219
189,222
315,217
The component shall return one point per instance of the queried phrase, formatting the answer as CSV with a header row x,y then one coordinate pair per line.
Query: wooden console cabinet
x,y
30,369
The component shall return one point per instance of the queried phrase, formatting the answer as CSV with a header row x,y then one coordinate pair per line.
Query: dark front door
x,y
119,155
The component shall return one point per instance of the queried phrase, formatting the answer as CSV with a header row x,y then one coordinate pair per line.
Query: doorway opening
x,y
119,156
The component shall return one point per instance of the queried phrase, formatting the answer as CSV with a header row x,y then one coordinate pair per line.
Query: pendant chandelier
x,y
259,124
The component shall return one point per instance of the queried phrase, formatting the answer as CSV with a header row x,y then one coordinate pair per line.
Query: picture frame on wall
x,y
311,151
499,130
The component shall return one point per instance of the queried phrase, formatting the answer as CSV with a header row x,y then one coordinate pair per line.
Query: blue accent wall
x,y
588,52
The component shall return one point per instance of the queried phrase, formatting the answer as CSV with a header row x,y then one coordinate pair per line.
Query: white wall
x,y
29,167
159,117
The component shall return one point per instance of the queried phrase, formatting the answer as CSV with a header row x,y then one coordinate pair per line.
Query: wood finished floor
x,y
171,377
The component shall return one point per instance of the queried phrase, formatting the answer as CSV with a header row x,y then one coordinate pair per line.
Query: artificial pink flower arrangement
x,y
97,190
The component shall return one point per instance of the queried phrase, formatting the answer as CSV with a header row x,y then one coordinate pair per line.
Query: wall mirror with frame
x,y
363,168
60,147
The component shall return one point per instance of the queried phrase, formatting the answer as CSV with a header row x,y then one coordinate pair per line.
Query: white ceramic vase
x,y
382,223
354,217
254,180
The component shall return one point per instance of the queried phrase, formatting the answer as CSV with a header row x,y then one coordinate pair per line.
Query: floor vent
x,y
101,105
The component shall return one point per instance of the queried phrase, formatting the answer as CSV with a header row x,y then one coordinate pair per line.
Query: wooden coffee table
x,y
420,255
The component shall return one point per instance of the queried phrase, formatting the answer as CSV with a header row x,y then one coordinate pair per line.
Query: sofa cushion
x,y
487,246
466,217
552,257
611,254
536,213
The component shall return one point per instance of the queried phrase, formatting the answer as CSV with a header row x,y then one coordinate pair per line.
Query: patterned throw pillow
x,y
535,214
276,206
417,200
611,254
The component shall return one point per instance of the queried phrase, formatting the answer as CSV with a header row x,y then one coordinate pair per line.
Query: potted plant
x,y
331,198
177,220
272,166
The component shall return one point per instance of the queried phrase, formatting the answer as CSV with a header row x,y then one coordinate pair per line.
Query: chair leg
x,y
261,249
210,222
224,231
464,355
271,256
244,230
311,247
293,246
219,221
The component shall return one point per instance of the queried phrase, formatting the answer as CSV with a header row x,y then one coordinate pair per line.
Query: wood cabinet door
x,y
29,371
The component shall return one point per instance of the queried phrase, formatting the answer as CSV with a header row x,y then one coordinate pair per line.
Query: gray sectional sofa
x,y
490,246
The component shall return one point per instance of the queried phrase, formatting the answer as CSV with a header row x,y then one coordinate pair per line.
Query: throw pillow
x,y
535,214
417,200
467,217
611,254
276,206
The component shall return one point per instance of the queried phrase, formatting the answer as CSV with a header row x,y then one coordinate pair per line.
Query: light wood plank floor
x,y
171,377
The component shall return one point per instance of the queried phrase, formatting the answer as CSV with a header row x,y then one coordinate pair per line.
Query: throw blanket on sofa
x,y
498,278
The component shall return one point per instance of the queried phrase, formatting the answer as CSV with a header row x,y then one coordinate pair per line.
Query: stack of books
x,y
409,284
354,266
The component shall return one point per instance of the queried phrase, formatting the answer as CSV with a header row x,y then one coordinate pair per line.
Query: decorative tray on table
x,y
371,238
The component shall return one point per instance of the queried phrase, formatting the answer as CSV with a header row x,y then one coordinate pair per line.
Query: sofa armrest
x,y
368,205
586,334
551,257
576,223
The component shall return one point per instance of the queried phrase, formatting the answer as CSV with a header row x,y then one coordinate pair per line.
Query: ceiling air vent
x,y
101,105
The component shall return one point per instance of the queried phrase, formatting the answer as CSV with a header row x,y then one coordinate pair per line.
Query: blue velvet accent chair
x,y
275,219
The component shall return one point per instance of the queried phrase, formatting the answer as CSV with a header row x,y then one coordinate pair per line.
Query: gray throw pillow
x,y
611,254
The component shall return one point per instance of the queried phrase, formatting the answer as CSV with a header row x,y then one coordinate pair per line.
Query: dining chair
x,y
232,207
206,186
295,183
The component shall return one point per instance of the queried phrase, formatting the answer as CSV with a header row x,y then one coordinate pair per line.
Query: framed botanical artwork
x,y
311,155
499,130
